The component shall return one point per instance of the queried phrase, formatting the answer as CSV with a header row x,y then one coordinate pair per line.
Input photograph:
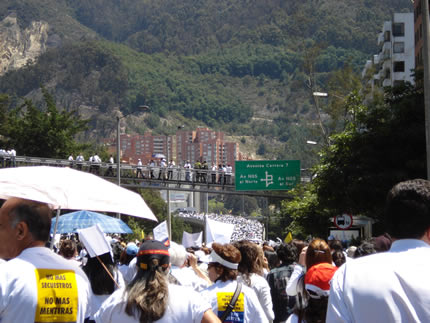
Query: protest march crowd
x,y
381,280
244,229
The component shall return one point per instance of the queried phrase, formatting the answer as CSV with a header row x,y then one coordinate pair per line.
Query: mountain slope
x,y
237,66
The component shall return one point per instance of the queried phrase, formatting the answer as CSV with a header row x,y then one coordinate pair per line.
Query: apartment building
x,y
201,144
144,147
396,58
204,144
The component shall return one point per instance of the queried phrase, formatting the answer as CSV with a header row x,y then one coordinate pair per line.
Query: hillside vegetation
x,y
238,66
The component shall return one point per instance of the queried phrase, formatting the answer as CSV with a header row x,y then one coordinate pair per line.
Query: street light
x,y
168,157
118,143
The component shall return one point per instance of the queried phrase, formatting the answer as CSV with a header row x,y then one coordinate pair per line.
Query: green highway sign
x,y
266,175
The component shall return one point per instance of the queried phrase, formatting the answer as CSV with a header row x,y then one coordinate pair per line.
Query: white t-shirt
x,y
39,284
129,274
185,305
187,277
262,290
293,318
247,308
392,286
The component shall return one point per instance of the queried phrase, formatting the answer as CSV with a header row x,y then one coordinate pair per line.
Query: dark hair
x,y
125,258
287,253
249,253
364,249
300,244
36,215
100,280
318,252
230,253
335,245
272,258
315,311
338,258
68,249
407,212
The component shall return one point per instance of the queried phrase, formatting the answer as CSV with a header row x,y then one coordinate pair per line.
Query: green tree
x,y
159,208
49,133
383,144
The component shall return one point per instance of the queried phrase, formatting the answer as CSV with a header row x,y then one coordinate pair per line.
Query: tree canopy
x,y
383,144
39,132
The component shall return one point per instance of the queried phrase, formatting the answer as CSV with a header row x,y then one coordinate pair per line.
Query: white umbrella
x,y
65,188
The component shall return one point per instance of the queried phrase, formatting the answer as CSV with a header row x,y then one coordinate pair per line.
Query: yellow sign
x,y
57,296
237,315
288,238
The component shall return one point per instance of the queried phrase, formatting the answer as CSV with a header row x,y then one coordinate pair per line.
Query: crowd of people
x,y
160,169
244,229
321,280
7,157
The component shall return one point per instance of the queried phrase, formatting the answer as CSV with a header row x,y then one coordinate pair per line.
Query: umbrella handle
x,y
107,270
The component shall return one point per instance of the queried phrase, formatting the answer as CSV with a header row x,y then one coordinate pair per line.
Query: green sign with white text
x,y
266,175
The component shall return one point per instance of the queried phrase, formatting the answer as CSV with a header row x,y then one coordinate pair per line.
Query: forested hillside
x,y
239,66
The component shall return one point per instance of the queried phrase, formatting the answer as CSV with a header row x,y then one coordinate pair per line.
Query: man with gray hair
x,y
191,276
37,285
391,286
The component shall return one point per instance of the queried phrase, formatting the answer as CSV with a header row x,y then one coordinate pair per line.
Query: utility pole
x,y
426,41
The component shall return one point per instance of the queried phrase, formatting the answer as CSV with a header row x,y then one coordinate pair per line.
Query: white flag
x,y
218,232
162,234
192,239
94,240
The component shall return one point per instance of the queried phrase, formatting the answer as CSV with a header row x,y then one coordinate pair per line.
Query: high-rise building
x,y
418,31
396,58
204,144
201,144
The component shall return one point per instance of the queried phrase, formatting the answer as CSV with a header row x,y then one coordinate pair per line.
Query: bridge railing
x,y
157,173
128,171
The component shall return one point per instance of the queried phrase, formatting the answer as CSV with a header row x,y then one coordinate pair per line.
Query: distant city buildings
x,y
201,145
396,58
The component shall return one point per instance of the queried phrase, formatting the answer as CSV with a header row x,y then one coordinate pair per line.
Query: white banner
x,y
192,239
218,232
161,233
94,240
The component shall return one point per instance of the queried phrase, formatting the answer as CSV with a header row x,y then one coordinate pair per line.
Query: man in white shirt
x,y
170,172
37,285
391,286
139,169
79,161
187,167
109,171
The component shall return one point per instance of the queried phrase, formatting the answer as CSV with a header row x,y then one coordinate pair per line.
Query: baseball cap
x,y
317,279
131,249
152,249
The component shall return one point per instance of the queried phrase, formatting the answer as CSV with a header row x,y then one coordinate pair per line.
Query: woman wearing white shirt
x,y
222,269
150,297
251,273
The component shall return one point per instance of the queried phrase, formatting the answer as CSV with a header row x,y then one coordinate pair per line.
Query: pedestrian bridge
x,y
176,178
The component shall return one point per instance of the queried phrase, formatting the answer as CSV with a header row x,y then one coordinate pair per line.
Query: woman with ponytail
x,y
150,298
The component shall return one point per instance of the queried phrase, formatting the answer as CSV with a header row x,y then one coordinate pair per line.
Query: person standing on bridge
x,y
170,172
109,171
228,173
187,167
80,161
139,169
390,286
